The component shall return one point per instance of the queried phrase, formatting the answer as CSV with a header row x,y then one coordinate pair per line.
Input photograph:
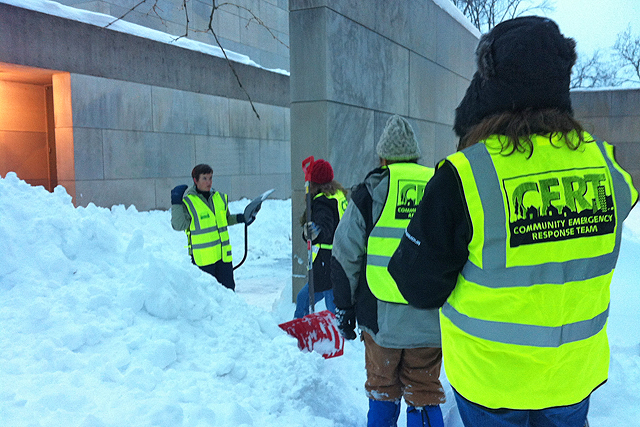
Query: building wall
x,y
613,115
353,64
256,28
135,142
133,116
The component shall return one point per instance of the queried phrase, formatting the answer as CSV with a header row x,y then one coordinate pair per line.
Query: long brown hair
x,y
330,188
517,128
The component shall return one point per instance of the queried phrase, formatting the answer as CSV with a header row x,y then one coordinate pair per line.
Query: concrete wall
x,y
353,64
144,113
613,115
64,141
235,23
135,142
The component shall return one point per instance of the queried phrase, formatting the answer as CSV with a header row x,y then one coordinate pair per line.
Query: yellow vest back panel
x,y
407,182
525,327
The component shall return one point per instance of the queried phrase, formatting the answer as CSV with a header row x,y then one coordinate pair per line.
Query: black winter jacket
x,y
324,213
427,273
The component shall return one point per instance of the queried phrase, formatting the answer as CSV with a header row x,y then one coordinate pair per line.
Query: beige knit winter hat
x,y
398,142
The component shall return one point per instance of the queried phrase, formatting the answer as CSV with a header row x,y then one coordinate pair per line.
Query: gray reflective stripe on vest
x,y
378,260
556,273
494,256
206,245
204,231
383,232
486,177
623,201
387,232
530,335
196,220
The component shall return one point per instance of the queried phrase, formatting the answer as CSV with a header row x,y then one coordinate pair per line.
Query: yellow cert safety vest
x,y
407,182
208,235
525,327
342,206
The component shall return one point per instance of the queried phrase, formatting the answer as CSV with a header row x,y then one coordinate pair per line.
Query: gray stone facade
x,y
133,116
614,116
353,64
256,28
137,156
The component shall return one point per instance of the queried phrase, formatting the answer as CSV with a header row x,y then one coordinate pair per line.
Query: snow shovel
x,y
252,208
315,331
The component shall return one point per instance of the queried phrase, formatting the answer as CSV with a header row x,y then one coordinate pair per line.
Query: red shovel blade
x,y
317,332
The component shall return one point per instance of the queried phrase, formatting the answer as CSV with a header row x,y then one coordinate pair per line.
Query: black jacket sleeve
x,y
434,247
324,213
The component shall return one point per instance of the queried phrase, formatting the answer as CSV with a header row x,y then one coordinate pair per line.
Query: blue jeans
x,y
302,301
561,416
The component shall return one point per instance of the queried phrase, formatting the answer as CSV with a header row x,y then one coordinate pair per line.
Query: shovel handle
x,y
246,241
306,164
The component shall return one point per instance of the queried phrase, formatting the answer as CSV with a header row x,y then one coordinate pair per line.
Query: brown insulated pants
x,y
410,373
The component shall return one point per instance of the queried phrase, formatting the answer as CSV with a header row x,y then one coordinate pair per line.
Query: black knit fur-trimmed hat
x,y
523,63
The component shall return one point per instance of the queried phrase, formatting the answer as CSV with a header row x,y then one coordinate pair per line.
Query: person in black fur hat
x,y
523,64
517,236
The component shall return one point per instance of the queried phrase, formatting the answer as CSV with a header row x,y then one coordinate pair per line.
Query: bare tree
x,y
627,50
486,14
589,72
155,9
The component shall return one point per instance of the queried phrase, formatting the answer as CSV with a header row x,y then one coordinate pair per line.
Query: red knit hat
x,y
321,172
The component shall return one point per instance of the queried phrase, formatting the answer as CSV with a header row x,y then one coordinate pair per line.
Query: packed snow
x,y
106,323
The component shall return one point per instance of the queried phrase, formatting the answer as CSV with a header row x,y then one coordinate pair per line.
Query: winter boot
x,y
383,413
427,416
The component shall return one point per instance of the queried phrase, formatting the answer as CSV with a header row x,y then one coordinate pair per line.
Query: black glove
x,y
347,322
240,218
177,193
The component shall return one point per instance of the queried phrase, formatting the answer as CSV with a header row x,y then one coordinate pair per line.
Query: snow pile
x,y
106,323
104,319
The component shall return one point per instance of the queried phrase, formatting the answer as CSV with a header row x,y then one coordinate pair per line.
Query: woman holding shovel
x,y
328,202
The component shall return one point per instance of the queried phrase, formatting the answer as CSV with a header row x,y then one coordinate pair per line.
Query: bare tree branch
x,y
125,14
209,29
255,18
627,49
486,14
590,72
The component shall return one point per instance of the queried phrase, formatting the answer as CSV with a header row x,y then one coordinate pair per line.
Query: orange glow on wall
x,y
36,127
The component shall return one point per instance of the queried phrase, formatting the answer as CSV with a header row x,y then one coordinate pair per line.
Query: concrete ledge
x,y
61,44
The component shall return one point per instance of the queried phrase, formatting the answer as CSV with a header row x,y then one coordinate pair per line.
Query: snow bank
x,y
104,319
106,323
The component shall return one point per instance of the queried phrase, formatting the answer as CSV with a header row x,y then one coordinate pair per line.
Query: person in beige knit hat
x,y
398,142
402,343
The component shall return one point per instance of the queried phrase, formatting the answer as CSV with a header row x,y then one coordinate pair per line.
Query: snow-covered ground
x,y
105,323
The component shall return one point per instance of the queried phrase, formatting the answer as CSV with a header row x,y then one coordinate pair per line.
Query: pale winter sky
x,y
594,24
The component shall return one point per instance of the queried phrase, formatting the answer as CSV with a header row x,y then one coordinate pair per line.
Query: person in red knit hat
x,y
328,202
